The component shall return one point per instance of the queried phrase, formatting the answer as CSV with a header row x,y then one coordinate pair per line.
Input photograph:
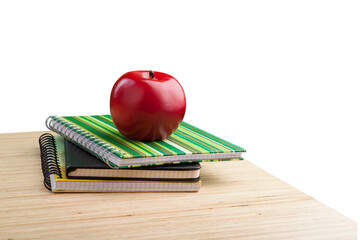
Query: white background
x,y
279,78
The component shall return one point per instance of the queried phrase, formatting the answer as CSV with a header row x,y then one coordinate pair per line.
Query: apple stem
x,y
151,73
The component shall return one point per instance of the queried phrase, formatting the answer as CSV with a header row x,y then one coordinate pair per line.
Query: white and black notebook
x,y
55,179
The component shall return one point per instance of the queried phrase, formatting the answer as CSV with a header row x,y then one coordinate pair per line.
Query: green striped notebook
x,y
98,135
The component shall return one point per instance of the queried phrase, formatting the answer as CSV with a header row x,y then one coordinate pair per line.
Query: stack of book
x,y
88,154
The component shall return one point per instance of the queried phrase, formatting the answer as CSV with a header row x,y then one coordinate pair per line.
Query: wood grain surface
x,y
237,200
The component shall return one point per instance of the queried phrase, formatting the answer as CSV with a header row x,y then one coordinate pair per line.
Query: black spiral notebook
x,y
81,164
52,149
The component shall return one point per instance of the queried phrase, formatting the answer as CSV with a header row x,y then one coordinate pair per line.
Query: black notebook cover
x,y
77,158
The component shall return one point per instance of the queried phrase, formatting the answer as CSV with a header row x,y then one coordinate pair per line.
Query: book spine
x,y
49,158
83,139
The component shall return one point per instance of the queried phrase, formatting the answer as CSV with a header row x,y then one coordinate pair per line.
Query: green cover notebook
x,y
82,165
53,166
98,135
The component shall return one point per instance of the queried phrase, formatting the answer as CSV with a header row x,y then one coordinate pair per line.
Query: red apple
x,y
147,105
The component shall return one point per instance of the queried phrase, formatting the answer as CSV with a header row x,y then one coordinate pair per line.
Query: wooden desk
x,y
237,200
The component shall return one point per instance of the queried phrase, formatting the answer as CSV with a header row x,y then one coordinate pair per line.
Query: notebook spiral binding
x,y
49,158
82,139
